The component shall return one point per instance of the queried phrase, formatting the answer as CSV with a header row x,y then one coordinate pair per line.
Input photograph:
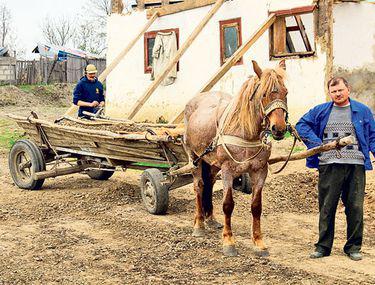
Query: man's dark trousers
x,y
347,181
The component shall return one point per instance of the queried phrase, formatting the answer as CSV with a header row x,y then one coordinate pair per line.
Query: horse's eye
x,y
275,90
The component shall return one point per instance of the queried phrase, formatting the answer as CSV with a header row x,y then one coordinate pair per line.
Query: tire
x,y
243,184
155,194
21,152
100,174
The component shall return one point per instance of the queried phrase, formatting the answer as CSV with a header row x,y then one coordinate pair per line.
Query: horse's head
x,y
273,98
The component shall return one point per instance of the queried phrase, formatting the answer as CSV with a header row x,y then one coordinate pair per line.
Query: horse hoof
x,y
199,232
262,253
212,224
230,250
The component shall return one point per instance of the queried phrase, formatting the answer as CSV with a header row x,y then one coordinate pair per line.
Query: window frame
x,y
236,22
280,16
150,35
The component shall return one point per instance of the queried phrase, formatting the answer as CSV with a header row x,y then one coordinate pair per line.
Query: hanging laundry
x,y
164,50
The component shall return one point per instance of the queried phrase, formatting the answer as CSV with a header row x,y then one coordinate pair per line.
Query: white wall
x,y
354,35
128,81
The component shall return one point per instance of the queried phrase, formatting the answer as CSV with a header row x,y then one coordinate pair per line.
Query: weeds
x,y
8,135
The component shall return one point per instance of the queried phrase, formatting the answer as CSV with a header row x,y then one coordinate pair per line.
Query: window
x,y
292,34
149,41
230,39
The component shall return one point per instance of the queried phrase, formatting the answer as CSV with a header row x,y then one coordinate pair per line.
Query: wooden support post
x,y
102,77
171,64
232,60
116,61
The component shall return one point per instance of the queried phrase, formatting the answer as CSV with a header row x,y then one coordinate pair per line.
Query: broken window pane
x,y
230,40
150,46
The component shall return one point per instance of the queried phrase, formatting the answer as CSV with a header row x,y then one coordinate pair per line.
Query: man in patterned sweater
x,y
341,172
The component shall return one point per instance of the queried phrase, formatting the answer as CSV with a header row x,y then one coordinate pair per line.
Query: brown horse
x,y
230,134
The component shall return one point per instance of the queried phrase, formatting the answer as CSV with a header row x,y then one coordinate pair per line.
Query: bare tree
x,y
91,30
100,8
5,25
58,32
88,38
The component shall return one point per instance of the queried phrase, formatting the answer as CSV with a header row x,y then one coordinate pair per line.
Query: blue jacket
x,y
311,128
88,91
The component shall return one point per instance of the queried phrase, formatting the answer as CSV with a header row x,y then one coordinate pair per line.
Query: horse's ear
x,y
282,64
257,69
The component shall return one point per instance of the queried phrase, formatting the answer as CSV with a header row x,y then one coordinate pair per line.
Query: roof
x,y
4,51
62,53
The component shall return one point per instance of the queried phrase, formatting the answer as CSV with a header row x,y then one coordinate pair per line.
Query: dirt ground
x,y
80,231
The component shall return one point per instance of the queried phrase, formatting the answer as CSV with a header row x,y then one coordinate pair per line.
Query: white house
x,y
354,47
301,34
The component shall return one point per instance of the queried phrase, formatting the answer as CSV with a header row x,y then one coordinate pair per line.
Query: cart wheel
x,y
243,184
155,194
25,158
100,174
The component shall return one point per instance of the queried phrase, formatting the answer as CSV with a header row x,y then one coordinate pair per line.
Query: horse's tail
x,y
207,189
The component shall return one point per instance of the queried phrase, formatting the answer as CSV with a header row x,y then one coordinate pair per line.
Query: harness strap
x,y
237,141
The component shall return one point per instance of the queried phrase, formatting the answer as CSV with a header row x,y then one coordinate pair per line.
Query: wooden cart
x,y
55,149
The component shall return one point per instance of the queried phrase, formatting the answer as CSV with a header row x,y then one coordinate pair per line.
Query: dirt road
x,y
80,231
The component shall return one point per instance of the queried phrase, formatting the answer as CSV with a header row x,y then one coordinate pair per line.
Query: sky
x,y
29,14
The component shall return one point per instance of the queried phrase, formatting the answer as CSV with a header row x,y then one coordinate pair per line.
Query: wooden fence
x,y
50,71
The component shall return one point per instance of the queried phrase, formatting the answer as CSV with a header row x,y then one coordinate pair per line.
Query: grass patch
x,y
298,149
9,135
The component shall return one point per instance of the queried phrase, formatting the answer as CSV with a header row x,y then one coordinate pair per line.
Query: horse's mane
x,y
247,110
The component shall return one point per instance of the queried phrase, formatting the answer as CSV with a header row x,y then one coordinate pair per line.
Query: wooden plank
x,y
118,58
179,7
279,36
294,11
112,156
172,63
303,32
232,61
295,54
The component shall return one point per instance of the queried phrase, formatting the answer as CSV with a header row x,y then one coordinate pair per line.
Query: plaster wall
x,y
354,48
128,81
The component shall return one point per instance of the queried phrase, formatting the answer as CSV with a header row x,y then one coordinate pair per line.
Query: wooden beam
x,y
121,55
232,60
180,7
322,148
103,76
177,57
279,36
61,171
303,32
294,11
